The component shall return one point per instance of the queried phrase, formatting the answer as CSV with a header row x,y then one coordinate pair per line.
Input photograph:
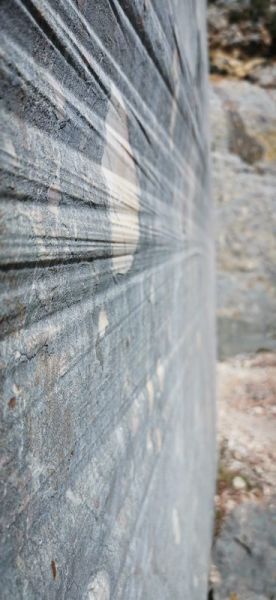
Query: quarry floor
x,y
244,548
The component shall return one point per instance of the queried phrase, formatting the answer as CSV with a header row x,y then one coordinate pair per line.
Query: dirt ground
x,y
247,466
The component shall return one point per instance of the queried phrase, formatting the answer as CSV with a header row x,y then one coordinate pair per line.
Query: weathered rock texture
x,y
243,123
245,554
242,39
244,548
107,301
242,44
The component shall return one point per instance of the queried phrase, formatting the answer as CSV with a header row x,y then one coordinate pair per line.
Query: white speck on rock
x,y
103,322
150,391
238,483
258,410
160,374
176,526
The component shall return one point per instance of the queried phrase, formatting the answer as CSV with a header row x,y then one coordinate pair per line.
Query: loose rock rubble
x,y
245,527
242,39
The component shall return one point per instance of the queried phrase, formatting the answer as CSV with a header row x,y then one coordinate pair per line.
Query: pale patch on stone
x,y
54,198
120,436
74,498
36,469
103,322
16,389
215,577
158,439
152,294
54,190
58,94
176,526
99,587
150,392
119,171
160,374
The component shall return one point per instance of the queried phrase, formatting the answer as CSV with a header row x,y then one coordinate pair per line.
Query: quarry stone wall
x,y
107,300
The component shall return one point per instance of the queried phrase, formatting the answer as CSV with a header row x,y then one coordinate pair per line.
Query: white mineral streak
x,y
8,147
176,79
54,191
72,497
176,526
160,374
121,179
99,588
150,391
158,440
103,322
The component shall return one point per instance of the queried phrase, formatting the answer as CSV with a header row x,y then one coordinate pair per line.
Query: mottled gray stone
x,y
107,337
245,554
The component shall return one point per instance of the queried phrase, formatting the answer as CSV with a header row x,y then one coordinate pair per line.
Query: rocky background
x,y
242,42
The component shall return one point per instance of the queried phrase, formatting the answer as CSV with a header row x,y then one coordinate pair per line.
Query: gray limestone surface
x,y
245,554
107,301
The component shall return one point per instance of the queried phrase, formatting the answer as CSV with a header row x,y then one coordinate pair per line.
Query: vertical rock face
x,y
243,120
107,340
243,124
